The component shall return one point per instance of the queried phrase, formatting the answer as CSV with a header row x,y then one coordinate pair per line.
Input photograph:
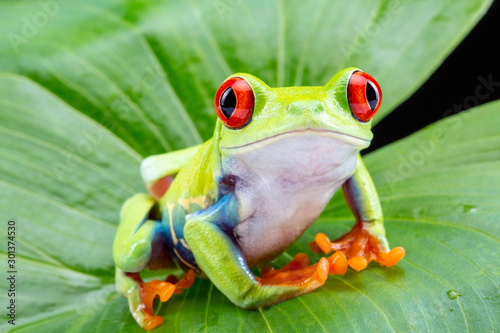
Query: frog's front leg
x,y
366,241
209,234
139,244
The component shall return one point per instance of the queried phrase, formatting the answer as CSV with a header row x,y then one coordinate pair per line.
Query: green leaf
x,y
94,87
141,64
439,189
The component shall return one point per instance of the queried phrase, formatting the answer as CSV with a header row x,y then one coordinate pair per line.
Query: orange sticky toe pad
x,y
357,263
338,264
392,257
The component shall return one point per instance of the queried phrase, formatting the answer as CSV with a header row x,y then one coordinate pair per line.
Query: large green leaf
x,y
107,83
439,188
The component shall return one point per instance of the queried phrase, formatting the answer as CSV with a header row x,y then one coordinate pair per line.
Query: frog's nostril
x,y
294,108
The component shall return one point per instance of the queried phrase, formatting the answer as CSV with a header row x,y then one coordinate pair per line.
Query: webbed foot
x,y
297,273
360,246
148,291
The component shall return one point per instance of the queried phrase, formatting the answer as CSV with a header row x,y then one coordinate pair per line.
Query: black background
x,y
454,81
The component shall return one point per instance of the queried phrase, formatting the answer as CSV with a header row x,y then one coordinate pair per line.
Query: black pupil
x,y
371,95
228,102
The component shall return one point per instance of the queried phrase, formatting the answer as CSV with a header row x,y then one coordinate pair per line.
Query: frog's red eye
x,y
234,102
364,96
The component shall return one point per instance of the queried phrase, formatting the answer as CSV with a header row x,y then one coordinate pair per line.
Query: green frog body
x,y
240,199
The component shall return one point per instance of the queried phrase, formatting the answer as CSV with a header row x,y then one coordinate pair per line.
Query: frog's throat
x,y
349,139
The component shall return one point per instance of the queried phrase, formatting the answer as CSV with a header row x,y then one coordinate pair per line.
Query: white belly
x,y
284,184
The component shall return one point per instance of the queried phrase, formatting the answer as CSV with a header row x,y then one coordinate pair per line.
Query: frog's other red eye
x,y
234,102
364,96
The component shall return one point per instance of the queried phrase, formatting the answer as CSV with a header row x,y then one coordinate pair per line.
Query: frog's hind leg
x,y
139,244
366,241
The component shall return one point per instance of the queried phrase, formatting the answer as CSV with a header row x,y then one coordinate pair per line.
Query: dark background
x,y
454,81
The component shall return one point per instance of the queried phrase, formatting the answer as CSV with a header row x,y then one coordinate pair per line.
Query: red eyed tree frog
x,y
240,199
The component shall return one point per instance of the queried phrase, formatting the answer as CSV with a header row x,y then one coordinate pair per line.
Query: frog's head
x,y
251,112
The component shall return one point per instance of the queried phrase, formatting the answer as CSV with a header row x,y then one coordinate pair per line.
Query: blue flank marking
x,y
181,254
225,212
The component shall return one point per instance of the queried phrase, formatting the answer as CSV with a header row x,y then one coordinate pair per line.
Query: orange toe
x,y
155,288
186,282
357,263
151,322
166,292
322,270
323,242
393,257
338,264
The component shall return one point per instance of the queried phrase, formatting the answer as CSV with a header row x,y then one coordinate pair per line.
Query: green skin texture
x,y
195,193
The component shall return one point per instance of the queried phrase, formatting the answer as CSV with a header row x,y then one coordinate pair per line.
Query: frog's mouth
x,y
346,138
